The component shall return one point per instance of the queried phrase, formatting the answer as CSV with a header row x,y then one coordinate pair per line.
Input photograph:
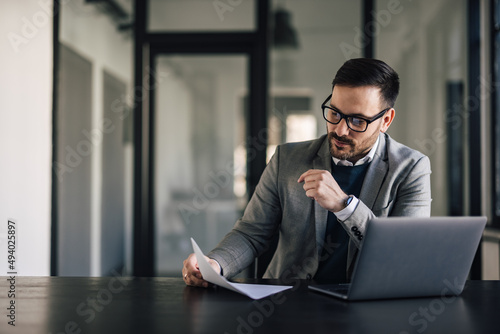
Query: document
x,y
254,291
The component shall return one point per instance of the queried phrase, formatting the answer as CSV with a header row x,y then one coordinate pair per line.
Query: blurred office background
x,y
127,128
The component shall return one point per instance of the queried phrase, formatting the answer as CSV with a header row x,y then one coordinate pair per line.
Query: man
x,y
320,194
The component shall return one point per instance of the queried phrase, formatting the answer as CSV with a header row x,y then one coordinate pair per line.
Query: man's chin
x,y
340,155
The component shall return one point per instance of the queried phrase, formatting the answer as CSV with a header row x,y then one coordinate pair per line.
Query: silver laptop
x,y
412,257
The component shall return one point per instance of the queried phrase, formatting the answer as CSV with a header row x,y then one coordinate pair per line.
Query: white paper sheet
x,y
254,291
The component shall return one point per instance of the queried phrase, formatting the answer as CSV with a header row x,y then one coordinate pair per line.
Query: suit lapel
x,y
375,175
323,160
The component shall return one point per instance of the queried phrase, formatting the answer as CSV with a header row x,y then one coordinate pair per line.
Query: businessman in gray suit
x,y
319,195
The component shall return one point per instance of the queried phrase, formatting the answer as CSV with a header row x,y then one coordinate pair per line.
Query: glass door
x,y
199,153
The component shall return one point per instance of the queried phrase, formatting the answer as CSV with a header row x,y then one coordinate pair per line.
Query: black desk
x,y
166,305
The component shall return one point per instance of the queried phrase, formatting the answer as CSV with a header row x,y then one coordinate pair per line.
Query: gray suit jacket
x,y
397,183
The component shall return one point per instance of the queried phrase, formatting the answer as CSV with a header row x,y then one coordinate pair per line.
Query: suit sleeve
x,y
412,198
252,233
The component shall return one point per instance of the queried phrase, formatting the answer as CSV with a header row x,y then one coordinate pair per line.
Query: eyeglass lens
x,y
354,123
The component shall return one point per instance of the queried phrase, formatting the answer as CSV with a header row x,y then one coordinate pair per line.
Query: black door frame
x,y
474,122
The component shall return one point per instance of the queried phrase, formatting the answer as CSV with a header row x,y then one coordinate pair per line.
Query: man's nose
x,y
342,129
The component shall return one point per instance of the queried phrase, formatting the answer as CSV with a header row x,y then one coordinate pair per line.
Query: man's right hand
x,y
191,272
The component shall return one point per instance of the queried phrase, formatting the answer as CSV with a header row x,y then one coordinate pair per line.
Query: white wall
x,y
26,132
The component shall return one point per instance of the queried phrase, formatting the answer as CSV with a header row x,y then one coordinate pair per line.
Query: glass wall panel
x,y
302,68
201,15
425,42
200,160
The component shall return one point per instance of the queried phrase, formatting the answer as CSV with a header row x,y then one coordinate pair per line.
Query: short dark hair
x,y
369,72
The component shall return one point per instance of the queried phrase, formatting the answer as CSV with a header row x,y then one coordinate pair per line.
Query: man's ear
x,y
387,119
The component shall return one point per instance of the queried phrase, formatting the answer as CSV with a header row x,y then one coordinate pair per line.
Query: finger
x,y
312,194
191,264
193,271
193,280
303,176
312,174
192,277
309,185
201,282
190,272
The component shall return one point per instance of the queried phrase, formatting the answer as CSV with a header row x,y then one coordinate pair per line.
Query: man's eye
x,y
357,121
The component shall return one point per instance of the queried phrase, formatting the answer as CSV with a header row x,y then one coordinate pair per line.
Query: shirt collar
x,y
366,159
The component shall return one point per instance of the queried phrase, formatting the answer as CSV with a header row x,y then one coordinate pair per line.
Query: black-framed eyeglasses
x,y
355,123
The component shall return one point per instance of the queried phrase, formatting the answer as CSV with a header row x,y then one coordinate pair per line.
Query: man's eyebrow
x,y
335,108
351,115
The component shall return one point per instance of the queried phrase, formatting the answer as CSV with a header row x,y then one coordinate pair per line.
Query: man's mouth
x,y
339,142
